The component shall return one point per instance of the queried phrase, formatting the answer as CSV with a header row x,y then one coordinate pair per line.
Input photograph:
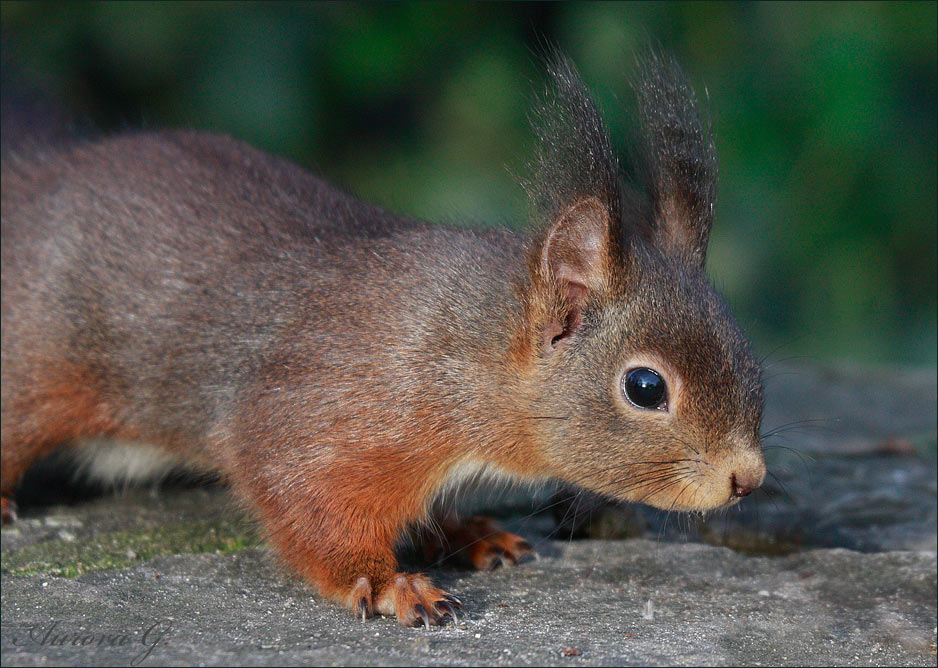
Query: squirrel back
x,y
340,365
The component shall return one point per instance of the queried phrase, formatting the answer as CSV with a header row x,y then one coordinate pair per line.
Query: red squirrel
x,y
340,365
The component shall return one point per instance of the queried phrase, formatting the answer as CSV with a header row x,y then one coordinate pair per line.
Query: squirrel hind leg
x,y
7,509
44,408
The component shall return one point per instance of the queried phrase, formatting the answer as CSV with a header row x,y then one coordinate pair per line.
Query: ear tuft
x,y
574,160
679,163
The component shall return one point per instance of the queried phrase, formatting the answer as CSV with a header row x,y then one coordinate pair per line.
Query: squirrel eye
x,y
645,388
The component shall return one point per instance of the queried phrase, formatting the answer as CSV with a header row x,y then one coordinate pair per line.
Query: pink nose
x,y
743,485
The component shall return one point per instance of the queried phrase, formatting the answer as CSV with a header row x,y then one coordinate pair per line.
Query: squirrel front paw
x,y
411,597
475,543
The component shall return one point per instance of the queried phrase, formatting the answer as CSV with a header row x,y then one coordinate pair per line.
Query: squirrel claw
x,y
420,610
448,610
364,608
529,555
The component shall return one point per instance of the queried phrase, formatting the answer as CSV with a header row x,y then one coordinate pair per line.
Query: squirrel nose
x,y
743,485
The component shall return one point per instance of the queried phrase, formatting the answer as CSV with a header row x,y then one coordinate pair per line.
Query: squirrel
x,y
341,366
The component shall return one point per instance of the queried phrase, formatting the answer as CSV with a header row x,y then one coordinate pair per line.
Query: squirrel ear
x,y
574,261
576,247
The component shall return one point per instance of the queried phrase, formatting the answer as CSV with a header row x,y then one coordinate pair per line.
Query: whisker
x,y
572,512
803,458
785,344
782,360
665,463
769,495
811,423
781,485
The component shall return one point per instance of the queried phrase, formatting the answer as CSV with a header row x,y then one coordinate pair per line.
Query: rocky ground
x,y
833,562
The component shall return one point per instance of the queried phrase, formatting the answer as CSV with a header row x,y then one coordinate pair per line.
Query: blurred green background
x,y
824,114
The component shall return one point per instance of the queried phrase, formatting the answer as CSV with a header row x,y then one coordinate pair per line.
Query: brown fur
x,y
338,365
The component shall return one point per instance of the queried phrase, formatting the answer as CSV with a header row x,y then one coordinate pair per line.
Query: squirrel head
x,y
644,387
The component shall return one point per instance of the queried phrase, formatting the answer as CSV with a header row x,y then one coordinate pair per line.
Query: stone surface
x,y
615,602
833,562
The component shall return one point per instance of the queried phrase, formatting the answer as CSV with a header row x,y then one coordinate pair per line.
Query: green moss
x,y
70,559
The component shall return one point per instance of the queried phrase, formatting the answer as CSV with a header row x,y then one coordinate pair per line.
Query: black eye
x,y
645,388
